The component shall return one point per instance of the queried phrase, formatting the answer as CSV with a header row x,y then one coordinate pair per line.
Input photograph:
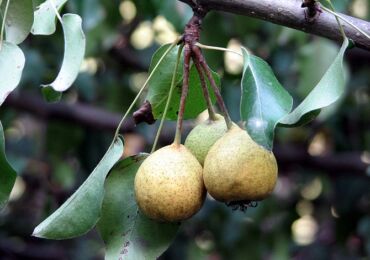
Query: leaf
x,y
160,83
19,20
326,92
126,232
264,101
74,51
7,174
11,66
82,210
45,17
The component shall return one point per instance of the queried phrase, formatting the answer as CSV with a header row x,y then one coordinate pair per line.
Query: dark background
x,y
320,207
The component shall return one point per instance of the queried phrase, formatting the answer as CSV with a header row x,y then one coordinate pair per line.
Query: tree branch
x,y
291,14
81,114
85,115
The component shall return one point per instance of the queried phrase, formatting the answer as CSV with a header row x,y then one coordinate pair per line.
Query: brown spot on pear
x,y
238,169
204,135
169,184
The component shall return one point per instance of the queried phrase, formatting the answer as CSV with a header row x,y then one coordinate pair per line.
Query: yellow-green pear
x,y
169,184
204,135
238,169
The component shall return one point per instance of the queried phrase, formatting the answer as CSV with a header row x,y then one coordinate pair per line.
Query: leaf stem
x,y
56,11
345,20
336,18
184,94
207,47
142,88
173,83
199,56
211,111
3,23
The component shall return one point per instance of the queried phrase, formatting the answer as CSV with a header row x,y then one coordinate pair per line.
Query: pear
x,y
204,135
169,184
238,169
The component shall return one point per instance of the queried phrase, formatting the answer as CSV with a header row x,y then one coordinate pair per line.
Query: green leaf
x,y
50,95
82,210
74,51
160,83
45,17
326,92
19,20
264,101
126,232
7,174
11,66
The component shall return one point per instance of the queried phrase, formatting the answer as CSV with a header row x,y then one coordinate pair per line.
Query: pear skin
x,y
204,135
169,184
238,169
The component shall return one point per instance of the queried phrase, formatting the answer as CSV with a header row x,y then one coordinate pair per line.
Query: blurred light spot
x,y
362,96
312,190
16,132
317,146
143,36
205,241
304,230
233,62
334,212
283,188
365,157
89,65
360,8
127,9
304,208
137,80
18,189
164,30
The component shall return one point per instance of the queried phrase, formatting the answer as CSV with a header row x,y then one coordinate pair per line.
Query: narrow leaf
x,y
19,20
74,50
11,66
82,210
126,232
264,100
7,174
160,84
327,91
45,17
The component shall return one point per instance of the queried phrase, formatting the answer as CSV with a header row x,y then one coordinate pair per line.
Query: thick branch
x,y
78,113
288,156
290,13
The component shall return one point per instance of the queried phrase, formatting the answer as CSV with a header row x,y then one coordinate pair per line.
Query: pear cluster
x,y
171,183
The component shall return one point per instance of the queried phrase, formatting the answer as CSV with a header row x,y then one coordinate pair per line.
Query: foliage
x,y
215,231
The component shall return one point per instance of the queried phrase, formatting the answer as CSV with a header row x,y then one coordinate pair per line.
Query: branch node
x,y
312,11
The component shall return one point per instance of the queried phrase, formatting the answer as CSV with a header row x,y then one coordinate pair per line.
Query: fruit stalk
x,y
199,56
173,83
184,93
211,111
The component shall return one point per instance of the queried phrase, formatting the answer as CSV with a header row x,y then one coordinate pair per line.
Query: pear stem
x,y
211,111
184,93
199,56
173,83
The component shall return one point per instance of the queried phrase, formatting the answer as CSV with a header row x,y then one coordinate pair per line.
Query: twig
x,y
198,54
211,111
184,93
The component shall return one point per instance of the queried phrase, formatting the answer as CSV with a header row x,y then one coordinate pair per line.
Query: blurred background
x,y
320,208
